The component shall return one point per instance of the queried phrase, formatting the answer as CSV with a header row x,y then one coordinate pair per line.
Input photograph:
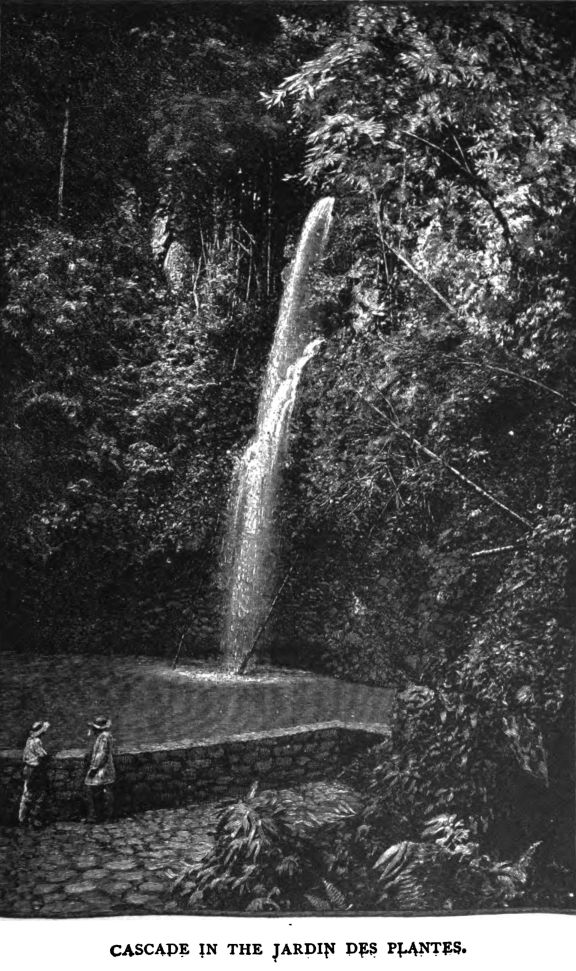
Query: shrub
x,y
269,850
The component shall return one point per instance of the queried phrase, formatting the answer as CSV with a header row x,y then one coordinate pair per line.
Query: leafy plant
x,y
446,870
267,855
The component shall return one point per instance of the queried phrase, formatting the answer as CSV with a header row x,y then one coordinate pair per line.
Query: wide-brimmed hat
x,y
38,728
100,724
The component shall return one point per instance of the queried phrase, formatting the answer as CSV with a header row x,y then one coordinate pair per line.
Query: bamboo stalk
x,y
269,233
522,377
493,551
249,655
65,130
180,643
437,458
249,280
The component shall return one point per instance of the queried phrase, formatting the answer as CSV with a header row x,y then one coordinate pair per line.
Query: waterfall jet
x,y
249,555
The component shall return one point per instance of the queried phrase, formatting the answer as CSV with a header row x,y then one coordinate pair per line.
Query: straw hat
x,y
100,724
38,728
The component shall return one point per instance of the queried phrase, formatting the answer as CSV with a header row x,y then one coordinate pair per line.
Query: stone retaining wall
x,y
177,773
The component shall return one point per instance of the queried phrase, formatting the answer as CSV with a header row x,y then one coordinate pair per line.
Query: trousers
x,y
33,795
103,795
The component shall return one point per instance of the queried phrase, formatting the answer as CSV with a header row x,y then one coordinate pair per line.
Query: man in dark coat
x,y
101,773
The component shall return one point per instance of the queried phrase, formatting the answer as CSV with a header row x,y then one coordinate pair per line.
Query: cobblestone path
x,y
74,870
123,867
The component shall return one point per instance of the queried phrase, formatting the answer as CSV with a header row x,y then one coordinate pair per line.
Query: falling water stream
x,y
250,548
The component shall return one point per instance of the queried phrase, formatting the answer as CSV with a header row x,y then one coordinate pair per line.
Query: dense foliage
x,y
140,284
157,165
439,419
278,852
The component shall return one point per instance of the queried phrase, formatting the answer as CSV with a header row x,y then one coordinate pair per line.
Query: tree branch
x,y
407,262
481,185
491,367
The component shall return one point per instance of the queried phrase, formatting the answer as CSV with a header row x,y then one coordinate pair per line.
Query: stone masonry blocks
x,y
179,773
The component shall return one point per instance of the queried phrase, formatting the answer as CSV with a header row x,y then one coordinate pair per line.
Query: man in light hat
x,y
35,776
101,773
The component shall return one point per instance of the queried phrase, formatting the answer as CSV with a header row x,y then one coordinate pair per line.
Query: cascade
x,y
250,545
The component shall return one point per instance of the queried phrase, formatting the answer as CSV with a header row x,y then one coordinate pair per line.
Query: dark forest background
x,y
157,164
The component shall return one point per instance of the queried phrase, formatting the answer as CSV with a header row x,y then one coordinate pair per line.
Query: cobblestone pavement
x,y
126,866
75,870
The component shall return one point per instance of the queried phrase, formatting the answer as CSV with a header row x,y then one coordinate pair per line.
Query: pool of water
x,y
148,702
